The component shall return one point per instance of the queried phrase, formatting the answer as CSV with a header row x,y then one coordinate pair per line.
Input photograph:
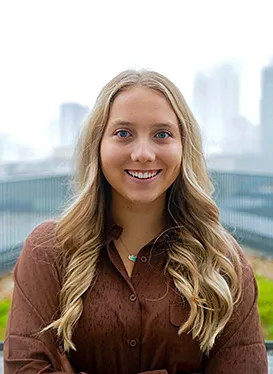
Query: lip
x,y
143,181
144,170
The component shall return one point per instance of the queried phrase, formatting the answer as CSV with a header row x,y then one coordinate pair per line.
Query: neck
x,y
139,220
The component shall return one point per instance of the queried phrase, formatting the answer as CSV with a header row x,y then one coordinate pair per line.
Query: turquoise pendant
x,y
132,258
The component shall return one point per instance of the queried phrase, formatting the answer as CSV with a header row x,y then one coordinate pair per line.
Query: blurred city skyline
x,y
58,52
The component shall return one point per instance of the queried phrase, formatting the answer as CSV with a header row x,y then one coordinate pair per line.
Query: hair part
x,y
203,261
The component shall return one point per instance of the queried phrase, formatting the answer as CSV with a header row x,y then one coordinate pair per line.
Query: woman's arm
x,y
240,348
34,305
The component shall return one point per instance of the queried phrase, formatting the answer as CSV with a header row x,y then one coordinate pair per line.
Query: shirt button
x,y
143,259
133,343
132,297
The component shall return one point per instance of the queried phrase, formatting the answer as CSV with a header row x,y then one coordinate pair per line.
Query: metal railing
x,y
246,207
245,203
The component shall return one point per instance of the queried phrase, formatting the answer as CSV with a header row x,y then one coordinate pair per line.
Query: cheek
x,y
174,157
105,157
105,151
102,155
111,158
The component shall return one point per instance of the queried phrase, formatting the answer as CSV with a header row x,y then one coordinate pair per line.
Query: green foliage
x,y
4,309
265,305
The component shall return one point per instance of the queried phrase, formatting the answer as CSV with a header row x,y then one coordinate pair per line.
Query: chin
x,y
142,199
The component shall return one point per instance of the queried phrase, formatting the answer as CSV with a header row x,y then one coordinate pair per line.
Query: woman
x,y
138,275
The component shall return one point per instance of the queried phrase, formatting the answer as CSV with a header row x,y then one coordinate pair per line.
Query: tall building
x,y
216,98
243,138
53,132
200,106
11,150
266,114
71,117
200,98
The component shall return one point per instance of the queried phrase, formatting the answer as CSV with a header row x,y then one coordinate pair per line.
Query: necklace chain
x,y
130,256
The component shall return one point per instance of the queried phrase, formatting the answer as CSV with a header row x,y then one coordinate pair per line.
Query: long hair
x,y
203,260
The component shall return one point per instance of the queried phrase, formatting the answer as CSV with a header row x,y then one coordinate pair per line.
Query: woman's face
x,y
141,148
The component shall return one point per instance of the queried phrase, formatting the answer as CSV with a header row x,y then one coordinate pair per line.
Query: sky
x,y
58,51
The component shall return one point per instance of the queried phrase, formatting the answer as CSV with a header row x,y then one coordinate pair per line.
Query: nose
x,y
143,151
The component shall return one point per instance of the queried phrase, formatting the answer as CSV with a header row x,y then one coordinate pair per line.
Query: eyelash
x,y
119,131
159,132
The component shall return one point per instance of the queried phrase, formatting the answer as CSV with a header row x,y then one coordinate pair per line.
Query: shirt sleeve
x,y
34,305
240,348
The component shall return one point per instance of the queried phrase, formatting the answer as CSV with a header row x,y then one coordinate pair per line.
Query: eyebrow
x,y
169,125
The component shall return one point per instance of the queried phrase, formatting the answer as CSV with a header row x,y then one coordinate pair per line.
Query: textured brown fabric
x,y
128,325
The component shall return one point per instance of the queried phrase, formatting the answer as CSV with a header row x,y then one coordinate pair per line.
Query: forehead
x,y
142,103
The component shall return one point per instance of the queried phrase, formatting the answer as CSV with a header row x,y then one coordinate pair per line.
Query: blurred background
x,y
57,55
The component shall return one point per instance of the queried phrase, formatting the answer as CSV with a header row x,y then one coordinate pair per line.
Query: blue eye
x,y
122,134
162,135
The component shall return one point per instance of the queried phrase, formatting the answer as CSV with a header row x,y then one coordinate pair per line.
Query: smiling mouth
x,y
143,174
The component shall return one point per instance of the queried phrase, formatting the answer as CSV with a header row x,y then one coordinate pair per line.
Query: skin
x,y
65,363
142,135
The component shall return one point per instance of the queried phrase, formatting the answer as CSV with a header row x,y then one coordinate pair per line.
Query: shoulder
x,y
247,281
248,278
249,293
40,249
42,240
240,263
43,232
242,339
38,280
244,322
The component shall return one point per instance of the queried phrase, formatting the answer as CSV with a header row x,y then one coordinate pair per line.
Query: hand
x,y
65,363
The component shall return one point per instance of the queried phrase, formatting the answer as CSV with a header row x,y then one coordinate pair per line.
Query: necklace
x,y
130,256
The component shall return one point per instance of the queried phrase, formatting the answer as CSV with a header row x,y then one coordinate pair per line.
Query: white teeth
x,y
141,175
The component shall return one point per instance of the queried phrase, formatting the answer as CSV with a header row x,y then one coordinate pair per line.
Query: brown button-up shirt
x,y
128,325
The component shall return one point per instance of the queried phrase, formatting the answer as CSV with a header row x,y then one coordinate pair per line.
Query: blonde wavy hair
x,y
203,261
